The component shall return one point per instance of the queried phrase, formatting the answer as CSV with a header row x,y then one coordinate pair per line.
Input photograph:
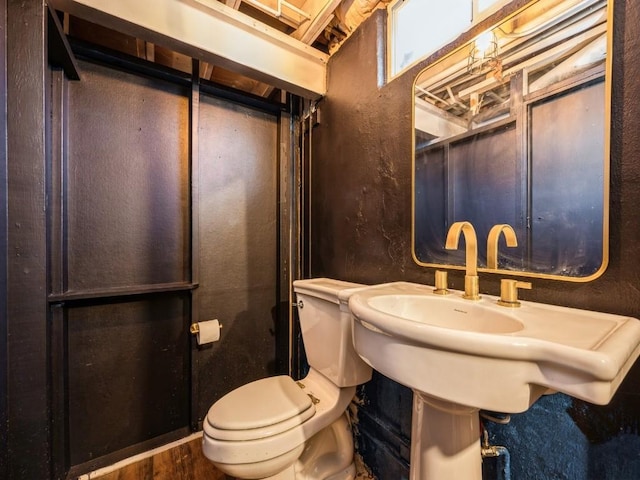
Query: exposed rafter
x,y
215,33
321,12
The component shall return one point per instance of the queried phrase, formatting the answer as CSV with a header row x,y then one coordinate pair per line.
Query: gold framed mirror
x,y
513,128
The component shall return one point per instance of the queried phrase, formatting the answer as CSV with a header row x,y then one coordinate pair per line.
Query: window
x,y
418,28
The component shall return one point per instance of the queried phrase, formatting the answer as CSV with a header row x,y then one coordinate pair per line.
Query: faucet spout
x,y
492,242
470,241
471,289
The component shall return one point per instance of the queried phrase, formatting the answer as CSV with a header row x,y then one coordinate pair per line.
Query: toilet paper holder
x,y
195,328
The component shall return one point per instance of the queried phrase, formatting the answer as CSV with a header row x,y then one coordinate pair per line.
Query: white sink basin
x,y
442,312
482,355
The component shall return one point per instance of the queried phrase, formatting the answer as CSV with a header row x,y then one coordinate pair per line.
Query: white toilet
x,y
280,429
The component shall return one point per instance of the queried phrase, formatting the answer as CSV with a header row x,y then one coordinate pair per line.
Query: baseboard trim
x,y
136,458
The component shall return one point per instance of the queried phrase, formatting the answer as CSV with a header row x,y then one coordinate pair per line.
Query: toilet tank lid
x,y
326,288
259,404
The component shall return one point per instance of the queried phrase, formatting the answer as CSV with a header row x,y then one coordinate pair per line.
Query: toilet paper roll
x,y
208,332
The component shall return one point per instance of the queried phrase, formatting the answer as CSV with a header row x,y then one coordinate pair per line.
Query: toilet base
x,y
348,473
258,470
328,455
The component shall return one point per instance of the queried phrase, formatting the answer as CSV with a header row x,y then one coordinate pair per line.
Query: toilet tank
x,y
326,330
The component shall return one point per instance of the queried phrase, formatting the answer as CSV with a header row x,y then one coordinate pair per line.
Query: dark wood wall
x,y
238,272
3,241
361,231
135,201
119,262
27,427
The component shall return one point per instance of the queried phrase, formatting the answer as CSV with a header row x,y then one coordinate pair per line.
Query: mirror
x,y
514,128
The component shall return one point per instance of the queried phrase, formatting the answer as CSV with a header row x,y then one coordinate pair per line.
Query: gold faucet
x,y
471,284
441,283
492,242
509,292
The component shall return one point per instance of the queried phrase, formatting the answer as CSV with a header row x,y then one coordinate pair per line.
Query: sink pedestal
x,y
445,440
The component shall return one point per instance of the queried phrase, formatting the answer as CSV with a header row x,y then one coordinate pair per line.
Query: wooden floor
x,y
184,462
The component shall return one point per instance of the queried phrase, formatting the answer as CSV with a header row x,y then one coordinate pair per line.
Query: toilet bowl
x,y
281,429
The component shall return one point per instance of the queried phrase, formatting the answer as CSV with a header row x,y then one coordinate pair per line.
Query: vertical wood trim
x,y
307,147
56,184
286,260
59,413
303,232
28,405
4,254
449,198
296,228
522,194
522,113
309,239
194,114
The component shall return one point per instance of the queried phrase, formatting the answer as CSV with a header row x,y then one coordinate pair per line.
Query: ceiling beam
x,y
437,122
321,12
235,4
215,33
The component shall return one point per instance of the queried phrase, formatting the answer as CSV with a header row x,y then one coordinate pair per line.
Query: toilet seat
x,y
259,409
332,402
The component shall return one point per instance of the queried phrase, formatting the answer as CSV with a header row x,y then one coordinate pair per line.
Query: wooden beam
x,y
235,4
437,122
206,70
321,12
59,50
140,48
215,33
150,51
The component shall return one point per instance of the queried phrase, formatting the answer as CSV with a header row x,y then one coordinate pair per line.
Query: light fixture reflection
x,y
484,55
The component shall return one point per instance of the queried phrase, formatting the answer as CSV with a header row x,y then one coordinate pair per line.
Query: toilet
x,y
277,428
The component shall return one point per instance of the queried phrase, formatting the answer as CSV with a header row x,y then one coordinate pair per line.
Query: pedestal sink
x,y
459,356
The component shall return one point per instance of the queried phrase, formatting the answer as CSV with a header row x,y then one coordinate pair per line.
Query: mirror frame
x,y
606,162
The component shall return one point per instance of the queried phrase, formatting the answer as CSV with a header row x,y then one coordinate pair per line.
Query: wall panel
x,y
127,174
121,265
238,194
128,374
566,216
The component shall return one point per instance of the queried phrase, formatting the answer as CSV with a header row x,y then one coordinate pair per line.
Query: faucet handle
x,y
509,292
441,283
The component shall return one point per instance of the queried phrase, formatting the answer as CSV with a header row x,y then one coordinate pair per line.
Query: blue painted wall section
x,y
361,231
384,429
563,438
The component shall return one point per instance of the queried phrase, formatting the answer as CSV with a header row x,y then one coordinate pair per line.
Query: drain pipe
x,y
494,451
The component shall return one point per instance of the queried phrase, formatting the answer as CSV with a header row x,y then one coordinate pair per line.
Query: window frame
x,y
393,7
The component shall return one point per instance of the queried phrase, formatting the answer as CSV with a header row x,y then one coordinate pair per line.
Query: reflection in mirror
x,y
513,129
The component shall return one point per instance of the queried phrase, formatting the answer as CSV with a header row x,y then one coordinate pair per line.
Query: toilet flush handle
x,y
299,305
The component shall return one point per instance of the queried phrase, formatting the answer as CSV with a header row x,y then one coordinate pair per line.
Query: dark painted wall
x,y
26,326
238,262
118,190
132,203
3,240
361,231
